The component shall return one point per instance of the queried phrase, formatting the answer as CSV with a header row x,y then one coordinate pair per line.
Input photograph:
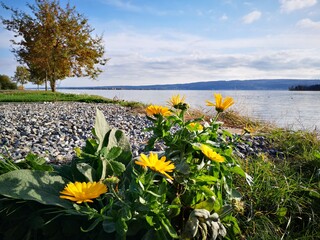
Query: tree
x,y
22,75
55,42
6,83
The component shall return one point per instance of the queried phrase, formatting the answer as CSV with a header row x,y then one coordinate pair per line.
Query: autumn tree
x,y
55,42
21,75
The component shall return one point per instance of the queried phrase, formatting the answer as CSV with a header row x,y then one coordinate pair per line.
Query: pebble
x,y
53,130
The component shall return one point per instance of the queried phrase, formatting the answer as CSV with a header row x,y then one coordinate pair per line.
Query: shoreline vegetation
x,y
283,200
315,87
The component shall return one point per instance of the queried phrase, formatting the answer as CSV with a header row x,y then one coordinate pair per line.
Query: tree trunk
x,y
46,82
53,85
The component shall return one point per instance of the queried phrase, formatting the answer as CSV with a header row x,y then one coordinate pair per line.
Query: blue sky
x,y
181,41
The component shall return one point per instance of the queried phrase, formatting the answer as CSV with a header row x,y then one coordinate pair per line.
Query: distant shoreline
x,y
262,84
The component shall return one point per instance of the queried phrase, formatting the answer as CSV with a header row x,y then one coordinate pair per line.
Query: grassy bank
x,y
283,200
47,96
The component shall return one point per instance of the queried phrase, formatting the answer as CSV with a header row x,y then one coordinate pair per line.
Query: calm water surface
x,y
292,109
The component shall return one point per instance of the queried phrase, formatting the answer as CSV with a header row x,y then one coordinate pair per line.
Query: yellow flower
x,y
207,151
83,192
161,166
221,105
177,102
155,110
195,126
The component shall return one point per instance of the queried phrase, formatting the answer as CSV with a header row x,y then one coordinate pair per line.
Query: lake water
x,y
292,109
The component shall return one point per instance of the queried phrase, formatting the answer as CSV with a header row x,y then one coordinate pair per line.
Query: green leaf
x,y
167,225
117,167
281,212
36,222
77,151
92,226
175,207
33,158
208,204
234,223
183,168
206,179
116,138
112,153
108,226
141,185
235,194
121,227
125,213
90,147
227,133
64,171
86,170
101,127
34,162
316,154
154,194
238,170
314,193
207,191
216,206
141,200
40,186
149,220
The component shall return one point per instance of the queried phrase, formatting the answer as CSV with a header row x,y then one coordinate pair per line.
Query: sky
x,y
183,41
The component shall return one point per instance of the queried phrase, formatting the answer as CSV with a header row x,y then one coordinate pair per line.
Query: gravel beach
x,y
53,130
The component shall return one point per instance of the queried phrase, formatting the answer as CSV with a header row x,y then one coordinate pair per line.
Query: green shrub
x,y
6,83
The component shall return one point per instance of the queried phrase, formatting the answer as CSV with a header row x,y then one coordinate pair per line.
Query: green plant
x,y
31,161
185,192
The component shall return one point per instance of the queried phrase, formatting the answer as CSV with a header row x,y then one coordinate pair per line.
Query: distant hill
x,y
263,84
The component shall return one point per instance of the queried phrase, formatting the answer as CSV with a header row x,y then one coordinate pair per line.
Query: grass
x,y
46,96
283,201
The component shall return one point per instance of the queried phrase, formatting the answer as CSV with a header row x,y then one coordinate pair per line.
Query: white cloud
x,y
128,6
133,69
292,5
224,17
125,5
251,17
308,23
173,57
